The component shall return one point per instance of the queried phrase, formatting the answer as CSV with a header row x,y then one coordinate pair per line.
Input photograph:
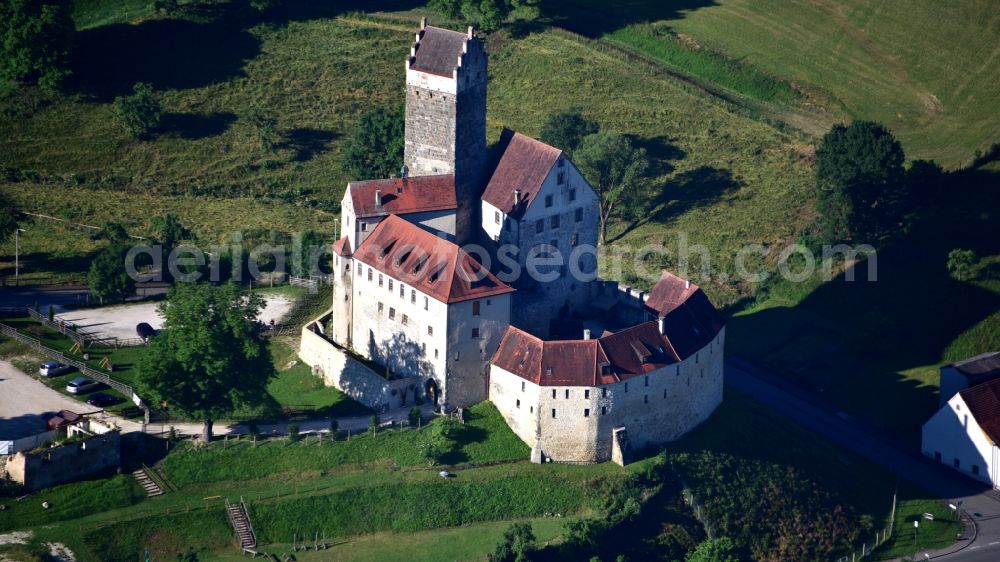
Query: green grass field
x,y
923,68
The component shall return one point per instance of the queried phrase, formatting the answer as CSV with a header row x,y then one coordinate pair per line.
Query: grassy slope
x,y
923,68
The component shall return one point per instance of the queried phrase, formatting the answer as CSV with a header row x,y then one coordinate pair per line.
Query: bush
x,y
375,147
373,423
139,113
518,540
962,264
413,418
293,432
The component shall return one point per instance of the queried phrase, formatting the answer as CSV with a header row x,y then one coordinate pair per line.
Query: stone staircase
x,y
240,520
152,488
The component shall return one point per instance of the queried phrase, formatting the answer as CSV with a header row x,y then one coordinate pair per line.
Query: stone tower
x,y
446,78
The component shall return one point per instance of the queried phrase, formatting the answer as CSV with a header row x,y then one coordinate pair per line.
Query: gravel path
x,y
120,320
25,403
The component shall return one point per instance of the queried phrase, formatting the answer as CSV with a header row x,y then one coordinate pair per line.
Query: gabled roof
x,y
524,164
690,318
402,195
342,247
437,50
980,367
432,265
983,401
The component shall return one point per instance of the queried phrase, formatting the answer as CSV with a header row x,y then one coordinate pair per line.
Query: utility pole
x,y
17,256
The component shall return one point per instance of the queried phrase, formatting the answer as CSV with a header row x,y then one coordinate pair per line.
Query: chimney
x,y
378,197
423,23
470,32
662,322
404,172
687,283
586,333
517,197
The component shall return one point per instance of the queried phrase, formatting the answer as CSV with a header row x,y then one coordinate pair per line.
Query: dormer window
x,y
606,369
548,371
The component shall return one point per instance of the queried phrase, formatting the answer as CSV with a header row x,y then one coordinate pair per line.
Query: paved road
x,y
62,295
982,507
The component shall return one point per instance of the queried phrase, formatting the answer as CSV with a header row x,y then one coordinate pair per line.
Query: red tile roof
x,y
689,325
437,50
524,163
432,265
342,247
983,401
401,196
689,317
670,292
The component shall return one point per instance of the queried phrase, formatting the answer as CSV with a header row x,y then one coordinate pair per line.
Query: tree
x,y
614,168
293,432
138,113
721,549
373,423
962,264
210,356
488,14
263,5
375,147
35,41
107,276
566,129
166,6
170,231
413,418
516,545
114,232
309,254
859,178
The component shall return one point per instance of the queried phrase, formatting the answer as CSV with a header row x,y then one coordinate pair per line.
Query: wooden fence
x,y
57,355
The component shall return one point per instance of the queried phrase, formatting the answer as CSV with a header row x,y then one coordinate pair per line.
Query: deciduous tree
x,y
566,129
720,549
375,147
210,356
35,40
615,168
859,178
518,541
107,276
138,113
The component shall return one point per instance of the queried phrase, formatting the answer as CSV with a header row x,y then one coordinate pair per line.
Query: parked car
x,y
144,330
102,400
54,369
82,385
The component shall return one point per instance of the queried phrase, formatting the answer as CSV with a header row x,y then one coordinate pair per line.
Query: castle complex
x,y
473,276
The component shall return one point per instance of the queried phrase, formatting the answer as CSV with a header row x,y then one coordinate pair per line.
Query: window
x,y
626,387
586,412
572,195
562,162
427,303
554,244
554,221
645,399
402,291
531,409
604,410
364,227
548,200
586,394
561,178
413,296
360,269
540,225
369,274
430,330
405,319
645,380
578,215
522,386
423,348
604,393
435,354
475,308
392,313
380,309
379,279
574,240
390,285
475,333
496,217
664,393
553,393
553,412
518,403
567,394
605,370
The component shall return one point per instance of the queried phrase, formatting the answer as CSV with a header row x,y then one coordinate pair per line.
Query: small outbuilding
x,y
964,433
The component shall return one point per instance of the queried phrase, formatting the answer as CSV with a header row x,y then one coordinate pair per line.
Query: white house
x,y
421,306
964,433
968,372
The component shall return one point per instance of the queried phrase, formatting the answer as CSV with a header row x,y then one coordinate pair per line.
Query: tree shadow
x,y
660,152
168,54
192,126
593,18
854,342
688,190
307,142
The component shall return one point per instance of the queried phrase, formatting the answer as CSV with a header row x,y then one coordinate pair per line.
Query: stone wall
x,y
95,456
576,423
350,376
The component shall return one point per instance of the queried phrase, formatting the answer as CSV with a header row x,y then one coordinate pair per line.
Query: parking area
x,y
25,403
120,321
